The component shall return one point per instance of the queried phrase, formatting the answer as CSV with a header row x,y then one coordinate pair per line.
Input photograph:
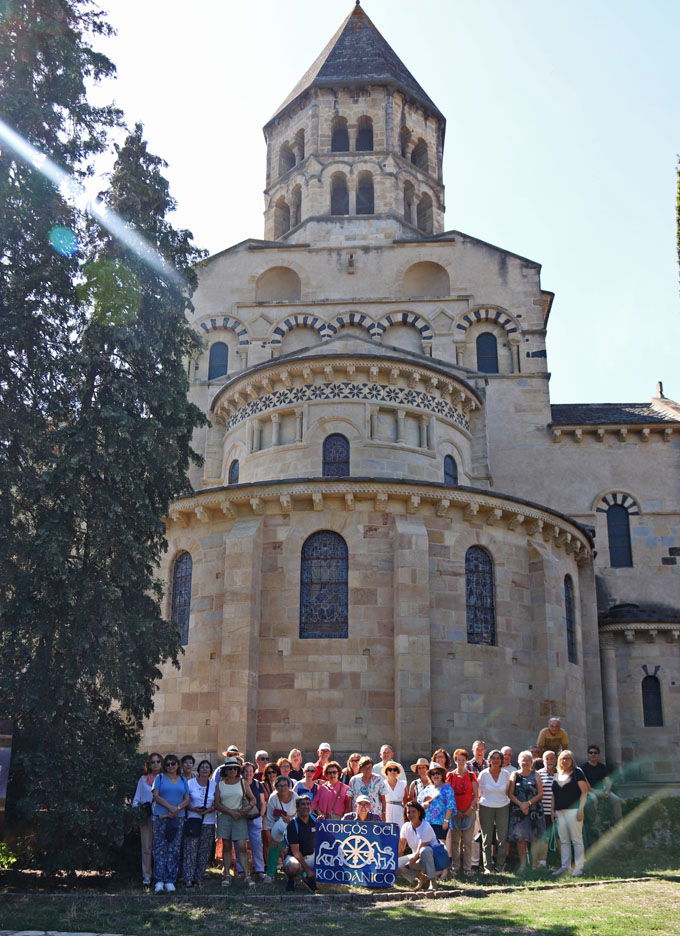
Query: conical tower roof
x,y
358,54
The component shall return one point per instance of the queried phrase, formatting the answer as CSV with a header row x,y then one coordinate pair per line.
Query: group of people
x,y
475,804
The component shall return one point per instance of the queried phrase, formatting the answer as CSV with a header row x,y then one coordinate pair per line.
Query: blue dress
x,y
531,827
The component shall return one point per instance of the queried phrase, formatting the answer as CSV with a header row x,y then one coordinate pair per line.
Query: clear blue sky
x,y
563,125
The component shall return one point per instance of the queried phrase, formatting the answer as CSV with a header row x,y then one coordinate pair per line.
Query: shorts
x,y
230,828
291,858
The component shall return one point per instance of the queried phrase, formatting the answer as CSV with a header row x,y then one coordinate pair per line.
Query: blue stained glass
x,y
487,353
335,456
479,598
181,595
217,363
571,618
618,533
323,586
450,471
233,472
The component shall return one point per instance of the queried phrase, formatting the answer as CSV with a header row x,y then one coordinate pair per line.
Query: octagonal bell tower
x,y
354,153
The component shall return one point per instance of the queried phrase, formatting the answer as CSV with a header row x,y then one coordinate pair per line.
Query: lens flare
x,y
74,191
64,241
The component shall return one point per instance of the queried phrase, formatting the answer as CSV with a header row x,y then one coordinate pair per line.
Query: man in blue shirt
x,y
301,835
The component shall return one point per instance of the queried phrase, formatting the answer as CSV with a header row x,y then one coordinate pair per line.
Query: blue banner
x,y
354,852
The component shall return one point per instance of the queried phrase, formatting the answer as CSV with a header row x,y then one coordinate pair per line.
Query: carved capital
x,y
442,508
317,500
412,504
227,509
515,521
286,502
349,501
494,516
202,514
471,511
257,505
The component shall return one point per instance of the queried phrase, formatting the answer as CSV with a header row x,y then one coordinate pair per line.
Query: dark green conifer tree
x,y
95,439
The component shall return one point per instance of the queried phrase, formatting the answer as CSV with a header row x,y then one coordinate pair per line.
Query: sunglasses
x,y
593,752
331,773
392,770
232,768
156,761
271,773
171,763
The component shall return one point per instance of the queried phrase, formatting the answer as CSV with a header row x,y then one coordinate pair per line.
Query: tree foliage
x,y
94,444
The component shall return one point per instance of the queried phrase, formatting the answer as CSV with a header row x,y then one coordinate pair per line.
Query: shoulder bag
x,y
193,826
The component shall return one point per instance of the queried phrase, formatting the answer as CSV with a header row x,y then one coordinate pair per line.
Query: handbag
x,y
193,826
441,857
249,812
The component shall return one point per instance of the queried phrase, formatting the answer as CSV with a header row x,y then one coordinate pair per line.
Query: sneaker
x,y
226,881
146,882
310,883
559,871
248,881
541,864
577,872
290,884
264,879
170,887
431,888
158,889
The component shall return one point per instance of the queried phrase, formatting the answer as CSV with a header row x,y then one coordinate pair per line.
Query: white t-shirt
x,y
274,804
414,837
493,792
197,794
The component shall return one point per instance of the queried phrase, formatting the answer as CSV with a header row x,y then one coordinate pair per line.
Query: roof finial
x,y
659,390
358,3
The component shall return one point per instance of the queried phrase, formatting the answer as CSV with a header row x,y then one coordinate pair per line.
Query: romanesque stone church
x,y
394,535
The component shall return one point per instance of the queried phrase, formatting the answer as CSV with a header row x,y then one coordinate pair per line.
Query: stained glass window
x,y
217,365
335,456
233,472
181,595
570,612
323,586
618,532
479,599
487,353
652,713
450,471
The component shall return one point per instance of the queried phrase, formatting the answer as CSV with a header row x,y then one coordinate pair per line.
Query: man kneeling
x,y
301,835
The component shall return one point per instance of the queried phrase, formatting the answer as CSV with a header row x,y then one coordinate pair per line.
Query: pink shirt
x,y
332,799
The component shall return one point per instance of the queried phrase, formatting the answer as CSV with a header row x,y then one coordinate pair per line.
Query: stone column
x,y
610,695
298,425
276,428
239,658
257,435
423,431
431,432
412,702
374,423
401,417
589,652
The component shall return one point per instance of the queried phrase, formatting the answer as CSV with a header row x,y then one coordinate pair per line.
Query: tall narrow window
x,y
652,712
295,206
450,471
424,214
323,586
404,140
365,204
570,615
181,595
335,456
218,360
365,135
487,353
281,217
479,597
232,478
339,194
618,533
419,156
339,136
300,145
286,159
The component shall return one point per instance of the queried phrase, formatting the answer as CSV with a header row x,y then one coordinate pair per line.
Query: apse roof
x,y
358,54
596,414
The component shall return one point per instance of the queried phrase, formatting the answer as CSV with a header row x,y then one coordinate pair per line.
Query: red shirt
x,y
462,788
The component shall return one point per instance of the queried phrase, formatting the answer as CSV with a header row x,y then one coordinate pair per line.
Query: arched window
x,y
300,145
404,140
286,159
339,194
281,217
419,155
339,136
487,353
424,214
450,471
618,533
652,712
335,456
181,595
218,360
365,135
409,201
365,205
479,598
323,586
232,477
570,615
295,206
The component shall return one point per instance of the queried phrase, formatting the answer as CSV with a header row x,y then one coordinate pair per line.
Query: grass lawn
x,y
646,845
